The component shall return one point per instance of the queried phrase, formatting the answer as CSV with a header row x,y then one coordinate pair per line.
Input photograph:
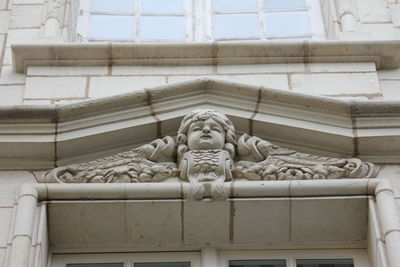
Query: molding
x,y
64,134
385,54
31,195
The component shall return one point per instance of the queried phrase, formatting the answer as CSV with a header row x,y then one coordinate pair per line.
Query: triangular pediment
x,y
77,132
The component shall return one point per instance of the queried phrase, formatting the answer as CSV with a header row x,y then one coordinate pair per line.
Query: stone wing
x,y
152,162
262,160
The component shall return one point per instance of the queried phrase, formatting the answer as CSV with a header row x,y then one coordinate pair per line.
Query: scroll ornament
x,y
206,154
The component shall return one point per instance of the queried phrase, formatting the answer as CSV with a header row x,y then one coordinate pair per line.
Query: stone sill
x,y
385,54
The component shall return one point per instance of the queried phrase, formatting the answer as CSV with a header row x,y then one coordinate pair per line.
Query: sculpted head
x,y
206,129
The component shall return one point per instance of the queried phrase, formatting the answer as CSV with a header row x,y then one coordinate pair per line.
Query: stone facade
x,y
64,102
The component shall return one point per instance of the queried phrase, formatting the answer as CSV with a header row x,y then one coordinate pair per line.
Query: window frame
x,y
198,24
359,256
61,260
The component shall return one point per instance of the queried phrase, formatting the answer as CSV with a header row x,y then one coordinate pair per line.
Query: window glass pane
x,y
111,27
95,265
325,263
257,263
236,25
232,5
287,23
126,6
162,28
163,6
162,264
284,4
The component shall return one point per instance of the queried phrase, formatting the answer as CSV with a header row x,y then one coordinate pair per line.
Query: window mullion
x,y
316,21
209,21
261,19
136,34
189,19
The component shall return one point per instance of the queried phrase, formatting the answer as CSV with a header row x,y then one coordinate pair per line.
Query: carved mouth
x,y
206,136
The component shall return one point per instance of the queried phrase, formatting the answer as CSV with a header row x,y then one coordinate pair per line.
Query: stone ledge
x,y
385,54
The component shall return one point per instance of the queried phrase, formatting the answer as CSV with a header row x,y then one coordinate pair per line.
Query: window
x,y
295,258
154,259
199,21
227,258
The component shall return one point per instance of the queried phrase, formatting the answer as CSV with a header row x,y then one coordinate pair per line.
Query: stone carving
x,y
206,155
56,9
153,162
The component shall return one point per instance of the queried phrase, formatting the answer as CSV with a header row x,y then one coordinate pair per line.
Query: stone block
x,y
206,222
11,94
327,220
22,36
10,181
161,70
390,90
26,16
115,223
342,67
4,19
336,84
160,222
66,71
276,81
373,11
260,68
384,31
8,76
107,86
5,219
261,221
52,88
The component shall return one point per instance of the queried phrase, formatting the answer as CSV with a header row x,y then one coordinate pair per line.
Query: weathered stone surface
x,y
53,88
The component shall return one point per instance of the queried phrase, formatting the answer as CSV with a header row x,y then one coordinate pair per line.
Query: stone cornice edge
x,y
385,54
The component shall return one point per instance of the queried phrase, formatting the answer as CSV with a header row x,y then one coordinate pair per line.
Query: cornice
x,y
40,137
385,54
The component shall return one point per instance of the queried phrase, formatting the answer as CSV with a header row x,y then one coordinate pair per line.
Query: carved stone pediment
x,y
206,154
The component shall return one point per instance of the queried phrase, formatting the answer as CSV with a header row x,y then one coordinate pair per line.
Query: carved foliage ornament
x,y
206,154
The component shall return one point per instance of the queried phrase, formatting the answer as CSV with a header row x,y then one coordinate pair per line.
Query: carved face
x,y
207,134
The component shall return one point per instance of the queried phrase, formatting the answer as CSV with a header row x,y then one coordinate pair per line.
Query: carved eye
x,y
195,129
217,129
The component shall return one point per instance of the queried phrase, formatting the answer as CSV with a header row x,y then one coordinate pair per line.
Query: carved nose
x,y
206,130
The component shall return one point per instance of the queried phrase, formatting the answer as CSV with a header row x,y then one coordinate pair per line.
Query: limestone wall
x,y
23,21
29,21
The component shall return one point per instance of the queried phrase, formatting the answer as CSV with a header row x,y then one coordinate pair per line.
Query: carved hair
x,y
202,115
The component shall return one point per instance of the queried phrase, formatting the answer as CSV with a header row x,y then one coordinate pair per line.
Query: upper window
x,y
199,21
